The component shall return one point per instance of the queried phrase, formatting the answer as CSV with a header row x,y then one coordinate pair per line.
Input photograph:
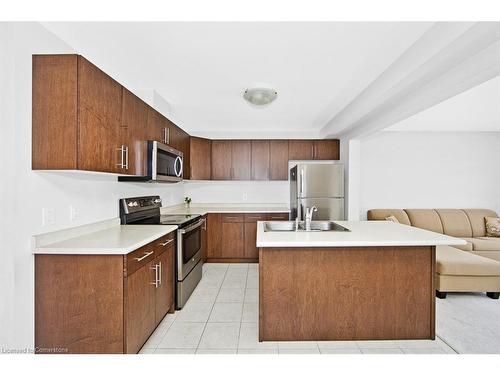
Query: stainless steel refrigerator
x,y
320,185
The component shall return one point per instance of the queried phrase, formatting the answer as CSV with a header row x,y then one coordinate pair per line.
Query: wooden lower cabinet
x,y
139,307
102,303
164,293
231,238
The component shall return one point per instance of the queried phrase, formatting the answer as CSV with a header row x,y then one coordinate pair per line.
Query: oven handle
x,y
192,227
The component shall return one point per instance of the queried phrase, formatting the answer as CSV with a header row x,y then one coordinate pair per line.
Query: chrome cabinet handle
x,y
145,256
166,136
276,217
167,242
312,150
126,157
159,273
122,156
155,267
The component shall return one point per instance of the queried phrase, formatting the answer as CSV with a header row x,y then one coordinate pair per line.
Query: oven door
x,y
188,248
165,162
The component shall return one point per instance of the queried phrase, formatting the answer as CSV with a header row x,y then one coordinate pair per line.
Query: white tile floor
x,y
222,315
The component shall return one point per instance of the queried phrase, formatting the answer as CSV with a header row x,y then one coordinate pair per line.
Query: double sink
x,y
316,226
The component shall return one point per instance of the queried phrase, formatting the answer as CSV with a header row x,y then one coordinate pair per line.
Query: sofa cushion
x,y
476,218
425,219
382,214
467,247
452,261
492,225
485,243
455,222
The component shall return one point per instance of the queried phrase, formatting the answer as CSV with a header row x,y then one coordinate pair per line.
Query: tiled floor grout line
x,y
242,309
448,345
213,305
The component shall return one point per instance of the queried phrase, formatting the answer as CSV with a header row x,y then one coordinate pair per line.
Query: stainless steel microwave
x,y
164,164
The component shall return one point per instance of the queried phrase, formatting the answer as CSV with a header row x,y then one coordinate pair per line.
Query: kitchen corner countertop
x,y
362,234
202,209
117,240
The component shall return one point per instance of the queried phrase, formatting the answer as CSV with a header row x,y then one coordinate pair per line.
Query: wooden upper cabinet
x,y
260,160
156,126
221,160
240,159
278,160
55,112
326,149
135,132
300,149
200,158
99,120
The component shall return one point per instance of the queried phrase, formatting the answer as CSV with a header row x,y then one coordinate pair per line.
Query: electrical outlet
x,y
74,213
48,216
245,196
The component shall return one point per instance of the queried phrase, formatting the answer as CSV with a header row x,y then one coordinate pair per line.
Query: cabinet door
x,y
165,290
214,236
251,251
240,160
326,149
221,160
233,240
300,149
134,132
200,158
278,160
54,112
140,307
156,126
260,160
100,108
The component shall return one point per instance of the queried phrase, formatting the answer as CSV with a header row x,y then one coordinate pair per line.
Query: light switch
x,y
48,216
74,213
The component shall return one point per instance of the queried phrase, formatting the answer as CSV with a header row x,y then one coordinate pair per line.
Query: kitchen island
x,y
373,282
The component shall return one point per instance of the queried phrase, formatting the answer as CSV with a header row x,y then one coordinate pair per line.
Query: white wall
x,y
428,170
25,192
238,191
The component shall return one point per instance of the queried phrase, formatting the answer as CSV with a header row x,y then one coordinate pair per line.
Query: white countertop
x,y
203,209
363,233
117,240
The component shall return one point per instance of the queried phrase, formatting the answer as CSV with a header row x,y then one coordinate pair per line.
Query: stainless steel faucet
x,y
309,215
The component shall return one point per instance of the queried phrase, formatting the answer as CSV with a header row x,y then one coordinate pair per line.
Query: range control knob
x,y
132,204
157,200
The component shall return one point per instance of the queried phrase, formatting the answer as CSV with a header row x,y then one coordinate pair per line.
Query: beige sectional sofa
x,y
474,267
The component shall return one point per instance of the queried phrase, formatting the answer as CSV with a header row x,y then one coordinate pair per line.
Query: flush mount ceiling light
x,y
260,95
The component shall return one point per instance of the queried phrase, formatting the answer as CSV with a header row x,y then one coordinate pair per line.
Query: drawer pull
x,y
144,256
277,217
167,242
231,217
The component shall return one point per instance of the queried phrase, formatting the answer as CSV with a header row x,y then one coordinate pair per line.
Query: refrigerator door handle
x,y
301,183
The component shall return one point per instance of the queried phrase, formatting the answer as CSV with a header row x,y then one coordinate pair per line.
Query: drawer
x,y
254,217
278,216
143,255
233,218
163,243
139,258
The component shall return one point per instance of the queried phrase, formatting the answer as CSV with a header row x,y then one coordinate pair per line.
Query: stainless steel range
x,y
146,210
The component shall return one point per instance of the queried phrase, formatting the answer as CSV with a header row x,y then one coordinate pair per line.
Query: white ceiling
x,y
475,110
202,69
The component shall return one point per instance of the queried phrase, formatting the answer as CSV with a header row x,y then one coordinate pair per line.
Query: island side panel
x,y
354,293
